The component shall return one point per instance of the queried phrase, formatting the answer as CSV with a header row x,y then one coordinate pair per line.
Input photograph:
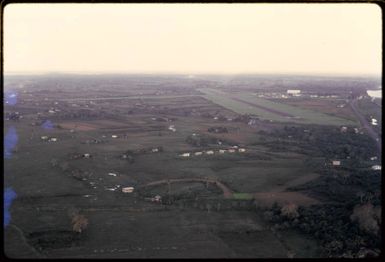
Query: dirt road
x,y
227,192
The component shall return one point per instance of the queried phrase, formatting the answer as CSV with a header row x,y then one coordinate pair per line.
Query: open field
x,y
334,107
196,193
246,103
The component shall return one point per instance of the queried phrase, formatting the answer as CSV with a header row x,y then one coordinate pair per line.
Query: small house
x,y
114,136
52,139
154,150
111,174
129,189
185,155
336,163
157,198
222,151
172,128
198,153
44,137
241,150
373,158
231,150
210,152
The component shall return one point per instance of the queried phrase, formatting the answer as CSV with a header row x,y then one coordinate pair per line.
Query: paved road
x,y
366,124
227,192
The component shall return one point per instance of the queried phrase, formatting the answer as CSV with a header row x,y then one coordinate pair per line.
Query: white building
x,y
222,151
210,152
114,136
198,153
293,91
336,163
231,150
172,128
185,155
373,158
376,167
52,139
241,150
154,150
374,122
44,137
129,189
111,174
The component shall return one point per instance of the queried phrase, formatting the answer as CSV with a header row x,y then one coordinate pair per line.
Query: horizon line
x,y
20,73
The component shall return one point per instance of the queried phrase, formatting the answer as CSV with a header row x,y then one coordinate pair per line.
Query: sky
x,y
193,38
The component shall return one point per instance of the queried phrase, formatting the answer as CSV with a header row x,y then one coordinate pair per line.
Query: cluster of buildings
x,y
78,156
156,199
294,93
212,152
48,139
344,129
53,110
374,167
128,189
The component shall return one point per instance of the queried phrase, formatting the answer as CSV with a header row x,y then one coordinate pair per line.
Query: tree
x,y
367,217
79,223
290,211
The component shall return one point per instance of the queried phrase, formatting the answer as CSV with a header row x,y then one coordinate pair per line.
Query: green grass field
x,y
242,196
305,116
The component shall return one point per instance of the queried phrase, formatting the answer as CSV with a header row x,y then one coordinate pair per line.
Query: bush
x,y
367,217
290,211
79,223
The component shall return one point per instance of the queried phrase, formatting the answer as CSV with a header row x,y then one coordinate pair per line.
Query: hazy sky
x,y
193,38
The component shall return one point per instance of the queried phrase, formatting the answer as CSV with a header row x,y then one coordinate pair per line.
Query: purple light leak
x,y
10,141
10,98
9,196
47,125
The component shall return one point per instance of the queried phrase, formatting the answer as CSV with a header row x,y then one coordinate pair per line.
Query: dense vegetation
x,y
348,224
